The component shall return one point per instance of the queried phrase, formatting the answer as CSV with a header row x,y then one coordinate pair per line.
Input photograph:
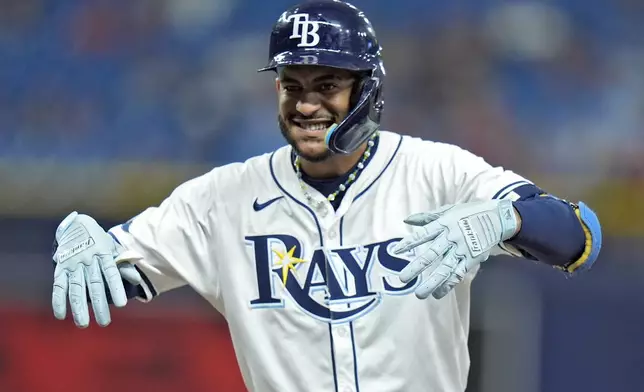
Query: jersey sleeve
x,y
173,239
474,179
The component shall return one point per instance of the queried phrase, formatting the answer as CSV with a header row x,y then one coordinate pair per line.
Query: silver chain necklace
x,y
343,187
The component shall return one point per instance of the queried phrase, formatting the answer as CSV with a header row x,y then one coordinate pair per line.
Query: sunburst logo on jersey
x,y
287,262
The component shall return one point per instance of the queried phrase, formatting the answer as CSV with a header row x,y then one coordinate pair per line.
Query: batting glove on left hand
x,y
455,239
87,260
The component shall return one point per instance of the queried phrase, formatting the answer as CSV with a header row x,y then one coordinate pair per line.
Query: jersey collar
x,y
285,178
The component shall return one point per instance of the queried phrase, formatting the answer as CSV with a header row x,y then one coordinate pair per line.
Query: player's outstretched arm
x,y
454,239
490,210
89,267
176,239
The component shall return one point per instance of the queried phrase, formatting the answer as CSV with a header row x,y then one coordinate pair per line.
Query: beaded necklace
x,y
343,187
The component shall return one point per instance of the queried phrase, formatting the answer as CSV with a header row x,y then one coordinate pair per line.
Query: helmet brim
x,y
325,58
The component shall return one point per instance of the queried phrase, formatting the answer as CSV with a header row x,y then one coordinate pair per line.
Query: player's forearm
x,y
552,232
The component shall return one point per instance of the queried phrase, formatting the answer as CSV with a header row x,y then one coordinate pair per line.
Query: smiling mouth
x,y
313,126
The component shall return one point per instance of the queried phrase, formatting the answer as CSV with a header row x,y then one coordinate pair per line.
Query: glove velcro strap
x,y
509,222
484,230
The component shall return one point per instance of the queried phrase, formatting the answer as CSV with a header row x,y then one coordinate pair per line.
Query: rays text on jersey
x,y
335,285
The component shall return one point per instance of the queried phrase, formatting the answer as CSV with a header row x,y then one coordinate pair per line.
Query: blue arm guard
x,y
556,232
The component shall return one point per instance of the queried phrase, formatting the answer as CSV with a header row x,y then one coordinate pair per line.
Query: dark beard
x,y
311,158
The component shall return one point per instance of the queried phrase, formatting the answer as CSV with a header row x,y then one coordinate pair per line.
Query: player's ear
x,y
277,84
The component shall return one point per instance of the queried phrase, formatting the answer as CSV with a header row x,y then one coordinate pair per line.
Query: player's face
x,y
311,99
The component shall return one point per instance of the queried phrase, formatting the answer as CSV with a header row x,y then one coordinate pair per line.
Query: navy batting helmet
x,y
335,34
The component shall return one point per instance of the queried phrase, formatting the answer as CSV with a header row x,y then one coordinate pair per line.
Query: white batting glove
x,y
454,239
88,259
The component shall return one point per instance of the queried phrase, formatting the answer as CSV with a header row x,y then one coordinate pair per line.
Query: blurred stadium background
x,y
106,106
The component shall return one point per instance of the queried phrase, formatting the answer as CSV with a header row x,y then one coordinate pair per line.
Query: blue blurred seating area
x,y
175,81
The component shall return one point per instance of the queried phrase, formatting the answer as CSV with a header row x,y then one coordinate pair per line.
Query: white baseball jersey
x,y
312,297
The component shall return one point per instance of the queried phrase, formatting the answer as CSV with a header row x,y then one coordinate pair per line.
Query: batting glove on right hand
x,y
455,239
87,258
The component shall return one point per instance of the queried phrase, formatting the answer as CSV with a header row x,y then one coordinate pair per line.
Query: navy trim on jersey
x,y
383,170
355,357
335,373
147,281
353,342
499,194
114,238
132,291
317,223
294,199
528,191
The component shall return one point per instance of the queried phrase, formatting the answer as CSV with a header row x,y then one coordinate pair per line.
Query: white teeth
x,y
314,127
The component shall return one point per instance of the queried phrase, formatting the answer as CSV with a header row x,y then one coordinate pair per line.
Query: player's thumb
x,y
129,273
424,218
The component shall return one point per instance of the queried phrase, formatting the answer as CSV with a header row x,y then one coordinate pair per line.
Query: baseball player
x,y
343,260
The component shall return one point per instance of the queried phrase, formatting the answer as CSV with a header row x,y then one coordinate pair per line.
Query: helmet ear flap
x,y
361,122
358,86
377,102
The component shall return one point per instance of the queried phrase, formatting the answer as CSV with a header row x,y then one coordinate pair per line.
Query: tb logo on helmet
x,y
303,29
